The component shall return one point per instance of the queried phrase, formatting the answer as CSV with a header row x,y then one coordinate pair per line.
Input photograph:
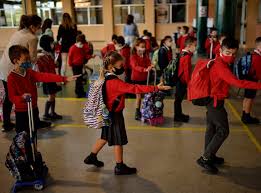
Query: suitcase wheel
x,y
38,186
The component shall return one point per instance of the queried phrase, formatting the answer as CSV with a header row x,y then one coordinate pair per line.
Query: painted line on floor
x,y
149,128
245,127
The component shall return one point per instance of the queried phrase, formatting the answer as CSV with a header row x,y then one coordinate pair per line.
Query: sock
x,y
137,110
47,107
93,154
53,107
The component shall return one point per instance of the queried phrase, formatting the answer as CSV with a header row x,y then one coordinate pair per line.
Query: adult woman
x,y
130,31
29,29
67,35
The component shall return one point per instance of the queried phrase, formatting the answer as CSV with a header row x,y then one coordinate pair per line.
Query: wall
x,y
5,35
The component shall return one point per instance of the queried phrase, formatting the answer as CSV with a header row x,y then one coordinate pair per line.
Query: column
x,y
108,21
68,7
29,7
150,16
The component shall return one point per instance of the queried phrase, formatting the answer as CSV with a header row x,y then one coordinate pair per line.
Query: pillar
x,y
108,21
68,7
202,15
226,16
29,7
150,16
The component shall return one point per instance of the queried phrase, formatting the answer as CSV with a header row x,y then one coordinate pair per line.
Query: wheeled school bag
x,y
199,87
152,106
95,113
242,66
23,160
170,74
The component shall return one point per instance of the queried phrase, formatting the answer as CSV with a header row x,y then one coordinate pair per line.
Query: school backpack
x,y
242,66
170,74
95,113
155,59
199,87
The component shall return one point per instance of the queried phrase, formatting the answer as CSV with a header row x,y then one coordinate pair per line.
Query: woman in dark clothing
x,y
67,36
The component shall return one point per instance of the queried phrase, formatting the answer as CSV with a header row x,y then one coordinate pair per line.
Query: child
x,y
124,50
183,36
165,53
116,134
217,49
22,84
110,46
176,36
140,66
184,74
211,43
254,75
78,57
45,63
217,121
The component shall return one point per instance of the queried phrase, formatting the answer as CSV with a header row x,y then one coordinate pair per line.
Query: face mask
x,y
182,33
26,65
141,51
79,45
117,47
118,71
38,32
228,59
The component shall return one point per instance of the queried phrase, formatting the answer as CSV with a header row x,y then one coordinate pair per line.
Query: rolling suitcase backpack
x,y
152,106
23,160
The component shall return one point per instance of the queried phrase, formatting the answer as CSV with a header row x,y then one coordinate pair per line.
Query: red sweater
x,y
78,56
138,66
217,49
125,53
185,68
255,69
46,63
19,85
108,48
221,78
181,42
148,45
208,45
116,88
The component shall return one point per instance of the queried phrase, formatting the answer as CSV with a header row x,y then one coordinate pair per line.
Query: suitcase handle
x,y
155,76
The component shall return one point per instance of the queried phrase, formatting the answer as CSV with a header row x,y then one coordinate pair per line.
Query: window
x,y
170,11
10,13
50,9
122,8
89,12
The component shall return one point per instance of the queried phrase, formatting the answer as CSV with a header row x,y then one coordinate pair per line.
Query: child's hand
x,y
162,87
26,96
72,78
148,69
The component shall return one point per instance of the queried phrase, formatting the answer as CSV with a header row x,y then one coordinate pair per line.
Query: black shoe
x,y
47,117
138,115
55,116
207,165
9,127
92,160
218,160
44,124
247,119
123,169
181,118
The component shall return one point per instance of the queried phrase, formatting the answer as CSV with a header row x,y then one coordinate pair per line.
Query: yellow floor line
x,y
149,128
245,127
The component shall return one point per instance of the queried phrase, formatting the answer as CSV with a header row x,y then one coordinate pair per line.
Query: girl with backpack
x,y
140,66
165,53
115,135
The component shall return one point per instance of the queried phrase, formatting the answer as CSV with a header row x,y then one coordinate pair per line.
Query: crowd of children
x,y
135,62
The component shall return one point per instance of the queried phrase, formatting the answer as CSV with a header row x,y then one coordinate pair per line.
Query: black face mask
x,y
118,71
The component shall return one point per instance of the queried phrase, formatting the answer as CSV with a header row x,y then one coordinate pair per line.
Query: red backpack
x,y
199,87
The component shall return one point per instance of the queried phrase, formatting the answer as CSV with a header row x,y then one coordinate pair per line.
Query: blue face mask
x,y
26,65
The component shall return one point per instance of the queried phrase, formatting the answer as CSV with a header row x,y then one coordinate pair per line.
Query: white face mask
x,y
141,51
79,45
38,32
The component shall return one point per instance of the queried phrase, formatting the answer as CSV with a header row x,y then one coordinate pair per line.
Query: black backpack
x,y
242,66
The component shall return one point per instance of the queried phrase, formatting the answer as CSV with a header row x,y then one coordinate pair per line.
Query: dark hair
x,y
121,40
186,29
149,34
190,40
213,29
45,43
230,43
145,32
114,37
34,20
16,51
24,20
67,22
130,19
137,43
164,39
47,24
79,32
81,38
111,58
258,40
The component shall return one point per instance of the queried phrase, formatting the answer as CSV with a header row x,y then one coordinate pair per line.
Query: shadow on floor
x,y
247,177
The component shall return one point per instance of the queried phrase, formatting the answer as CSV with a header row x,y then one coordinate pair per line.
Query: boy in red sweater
x,y
184,74
218,47
22,83
77,58
110,46
124,50
184,35
254,75
221,78
211,43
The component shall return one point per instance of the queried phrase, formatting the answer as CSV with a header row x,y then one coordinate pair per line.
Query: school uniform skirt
x,y
51,88
116,134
